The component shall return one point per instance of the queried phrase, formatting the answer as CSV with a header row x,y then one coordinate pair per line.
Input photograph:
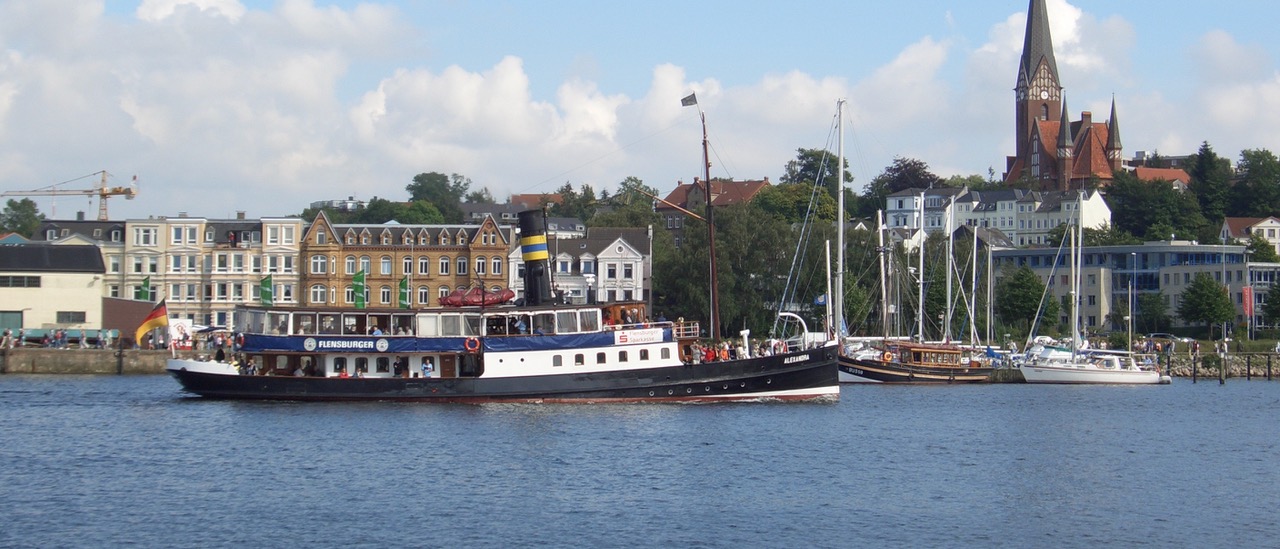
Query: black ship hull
x,y
806,375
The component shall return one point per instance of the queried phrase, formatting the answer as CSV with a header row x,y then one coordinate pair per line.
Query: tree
x,y
1206,301
1153,312
815,167
796,203
904,173
1210,181
1257,193
1153,210
482,196
1260,250
631,206
1271,306
1018,298
445,192
21,216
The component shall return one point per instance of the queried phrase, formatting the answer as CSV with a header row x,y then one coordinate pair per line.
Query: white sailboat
x,y
1078,364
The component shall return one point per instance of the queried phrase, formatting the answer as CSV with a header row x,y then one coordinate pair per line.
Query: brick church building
x,y
1051,149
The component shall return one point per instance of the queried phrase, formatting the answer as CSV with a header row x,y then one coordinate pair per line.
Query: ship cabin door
x,y
448,366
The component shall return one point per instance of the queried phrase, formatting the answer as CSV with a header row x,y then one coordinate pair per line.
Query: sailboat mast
x,y
884,288
946,328
973,290
920,273
838,308
711,233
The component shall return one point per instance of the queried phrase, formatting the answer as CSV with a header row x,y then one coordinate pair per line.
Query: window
x,y
424,295
557,360
579,359
611,271
384,294
20,282
273,235
351,264
424,265
70,317
627,271
444,266
113,290
407,265
364,264
600,358
644,354
462,266
384,265
144,236
113,264
622,356
319,264
480,265
350,295
286,235
318,294
288,263
322,237
496,269
382,364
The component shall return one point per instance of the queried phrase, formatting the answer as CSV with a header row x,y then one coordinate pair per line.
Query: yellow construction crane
x,y
102,191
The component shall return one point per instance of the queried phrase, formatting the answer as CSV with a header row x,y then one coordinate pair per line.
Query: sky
x,y
226,106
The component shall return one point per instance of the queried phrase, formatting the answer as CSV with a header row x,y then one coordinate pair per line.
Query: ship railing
x,y
685,330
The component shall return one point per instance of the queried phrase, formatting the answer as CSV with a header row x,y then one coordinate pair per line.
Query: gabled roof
x,y
1089,153
724,193
42,258
1237,227
1172,175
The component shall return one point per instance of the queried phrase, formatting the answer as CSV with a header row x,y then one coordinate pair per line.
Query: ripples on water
x,y
130,461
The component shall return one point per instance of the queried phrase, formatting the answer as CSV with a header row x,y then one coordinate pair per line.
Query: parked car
x,y
1169,337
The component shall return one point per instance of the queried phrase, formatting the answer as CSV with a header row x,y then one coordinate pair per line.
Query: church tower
x,y
1038,89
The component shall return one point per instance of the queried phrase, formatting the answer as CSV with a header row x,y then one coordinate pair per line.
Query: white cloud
x,y
158,10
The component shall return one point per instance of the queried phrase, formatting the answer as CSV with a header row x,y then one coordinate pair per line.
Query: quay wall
x,y
84,361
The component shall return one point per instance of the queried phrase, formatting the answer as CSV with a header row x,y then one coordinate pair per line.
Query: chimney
x,y
240,214
533,250
1086,119
80,216
182,214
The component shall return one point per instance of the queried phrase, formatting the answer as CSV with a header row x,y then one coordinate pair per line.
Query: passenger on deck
x,y
298,372
220,356
343,373
428,367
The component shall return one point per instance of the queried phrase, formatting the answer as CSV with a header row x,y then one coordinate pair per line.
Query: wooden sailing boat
x,y
903,361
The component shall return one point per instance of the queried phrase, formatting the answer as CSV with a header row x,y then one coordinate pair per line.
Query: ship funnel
x,y
533,250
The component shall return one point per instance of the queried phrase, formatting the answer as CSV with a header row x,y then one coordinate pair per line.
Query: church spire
x,y
1113,136
1037,46
1066,148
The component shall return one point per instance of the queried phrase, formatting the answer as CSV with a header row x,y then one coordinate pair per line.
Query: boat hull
x,y
806,375
1073,375
853,370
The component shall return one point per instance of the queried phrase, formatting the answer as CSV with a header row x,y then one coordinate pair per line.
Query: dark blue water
x,y
111,461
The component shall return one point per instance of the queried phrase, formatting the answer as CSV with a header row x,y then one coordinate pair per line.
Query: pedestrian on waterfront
x,y
7,341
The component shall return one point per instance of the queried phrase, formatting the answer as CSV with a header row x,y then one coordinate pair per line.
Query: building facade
x,y
605,265
44,286
1166,268
433,260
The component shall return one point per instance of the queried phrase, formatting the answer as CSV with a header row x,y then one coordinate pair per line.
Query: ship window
x,y
589,321
557,360
362,364
328,324
644,354
383,364
306,323
566,322
579,359
339,364
622,356
450,325
666,353
600,358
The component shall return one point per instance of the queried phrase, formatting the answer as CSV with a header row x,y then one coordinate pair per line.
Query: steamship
x,y
536,350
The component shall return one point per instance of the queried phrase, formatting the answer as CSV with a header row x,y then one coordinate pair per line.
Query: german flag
x,y
158,317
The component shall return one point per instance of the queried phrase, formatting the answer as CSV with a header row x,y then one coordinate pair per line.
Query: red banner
x,y
1247,295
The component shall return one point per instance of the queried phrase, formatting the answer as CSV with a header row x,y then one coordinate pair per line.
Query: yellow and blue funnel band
x,y
533,248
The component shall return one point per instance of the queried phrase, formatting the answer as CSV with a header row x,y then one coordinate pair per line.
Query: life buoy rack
x,y
887,356
472,344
